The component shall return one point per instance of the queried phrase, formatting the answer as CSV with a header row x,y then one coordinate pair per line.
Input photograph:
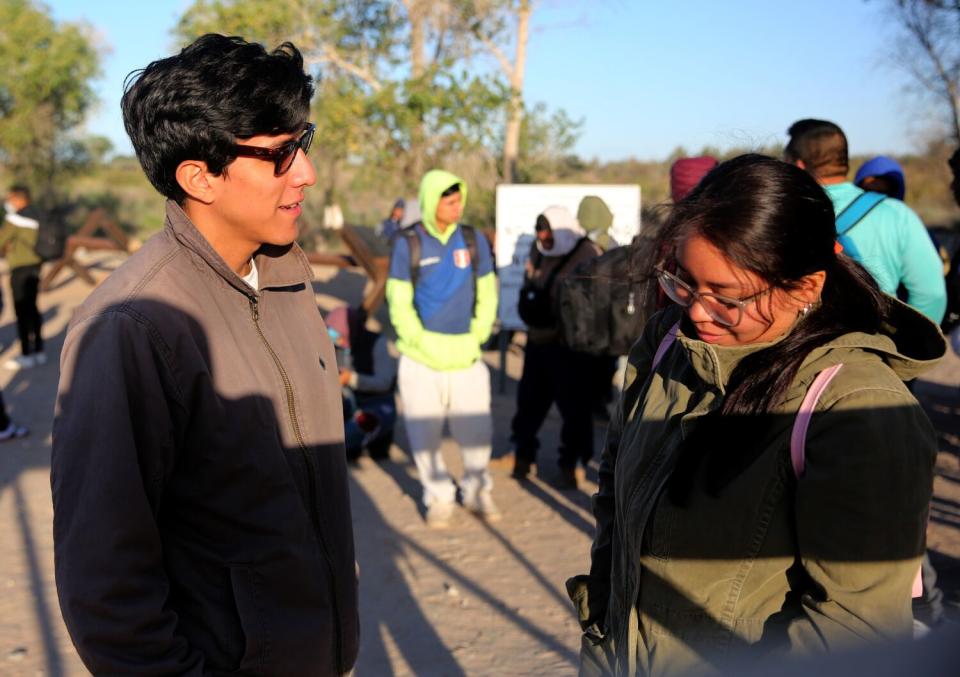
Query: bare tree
x,y
496,24
929,51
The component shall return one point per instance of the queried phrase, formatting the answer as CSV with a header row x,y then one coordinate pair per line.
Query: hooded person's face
x,y
449,210
545,237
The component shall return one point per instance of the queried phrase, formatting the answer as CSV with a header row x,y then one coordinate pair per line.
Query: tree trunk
x,y
955,110
416,9
511,141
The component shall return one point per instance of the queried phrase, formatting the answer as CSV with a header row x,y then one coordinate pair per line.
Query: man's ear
x,y
196,180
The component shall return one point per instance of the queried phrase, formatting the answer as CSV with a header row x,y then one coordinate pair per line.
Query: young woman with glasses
x,y
710,546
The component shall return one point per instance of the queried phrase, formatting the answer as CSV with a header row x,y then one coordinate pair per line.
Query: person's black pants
x,y
25,284
554,373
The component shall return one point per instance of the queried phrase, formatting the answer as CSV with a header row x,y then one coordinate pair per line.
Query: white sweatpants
x,y
463,397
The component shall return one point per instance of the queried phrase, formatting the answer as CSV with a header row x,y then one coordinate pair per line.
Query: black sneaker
x,y
521,470
567,479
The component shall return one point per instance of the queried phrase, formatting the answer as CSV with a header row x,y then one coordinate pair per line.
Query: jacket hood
x,y
909,344
886,167
566,231
594,214
433,184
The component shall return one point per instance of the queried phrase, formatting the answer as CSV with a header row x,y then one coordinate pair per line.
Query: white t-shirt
x,y
253,277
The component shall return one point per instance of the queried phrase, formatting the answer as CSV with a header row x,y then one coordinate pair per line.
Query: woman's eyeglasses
x,y
283,155
724,310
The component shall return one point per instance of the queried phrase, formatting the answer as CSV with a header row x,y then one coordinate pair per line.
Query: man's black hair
x,y
821,145
20,189
542,223
195,105
455,188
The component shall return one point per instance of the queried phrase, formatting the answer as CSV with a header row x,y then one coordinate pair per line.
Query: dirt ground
x,y
475,599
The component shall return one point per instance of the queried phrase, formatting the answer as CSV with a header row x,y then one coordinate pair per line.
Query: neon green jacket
x,y
441,323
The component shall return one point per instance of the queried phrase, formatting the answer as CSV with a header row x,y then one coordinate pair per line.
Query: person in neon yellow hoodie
x,y
442,315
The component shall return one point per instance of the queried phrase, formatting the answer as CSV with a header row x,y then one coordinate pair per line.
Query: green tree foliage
x,y
389,95
46,69
546,142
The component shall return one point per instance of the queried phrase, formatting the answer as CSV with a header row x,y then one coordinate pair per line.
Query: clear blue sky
x,y
646,76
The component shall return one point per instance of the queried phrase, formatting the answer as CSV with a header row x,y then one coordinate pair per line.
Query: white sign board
x,y
517,209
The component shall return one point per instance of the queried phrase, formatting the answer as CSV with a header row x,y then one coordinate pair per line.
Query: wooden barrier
x,y
86,238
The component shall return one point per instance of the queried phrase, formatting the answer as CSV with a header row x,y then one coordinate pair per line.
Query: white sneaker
x,y
483,506
20,362
39,358
439,514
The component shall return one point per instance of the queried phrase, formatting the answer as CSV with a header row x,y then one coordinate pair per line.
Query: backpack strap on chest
x,y
798,440
855,212
664,346
798,437
412,237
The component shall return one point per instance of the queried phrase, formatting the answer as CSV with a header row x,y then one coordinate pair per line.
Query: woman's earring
x,y
806,309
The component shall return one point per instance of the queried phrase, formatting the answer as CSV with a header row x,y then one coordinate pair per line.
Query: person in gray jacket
x,y
201,510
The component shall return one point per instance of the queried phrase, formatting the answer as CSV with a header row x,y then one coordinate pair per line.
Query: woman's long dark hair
x,y
772,219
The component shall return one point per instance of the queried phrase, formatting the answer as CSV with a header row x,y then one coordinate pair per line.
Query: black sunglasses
x,y
283,155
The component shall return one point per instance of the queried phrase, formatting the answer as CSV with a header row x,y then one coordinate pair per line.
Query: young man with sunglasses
x,y
201,510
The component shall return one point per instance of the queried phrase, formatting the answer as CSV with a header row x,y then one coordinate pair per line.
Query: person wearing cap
x,y
890,240
552,372
882,174
367,362
686,173
443,303
391,225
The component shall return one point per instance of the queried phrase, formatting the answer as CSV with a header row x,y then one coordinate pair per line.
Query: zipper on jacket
x,y
312,472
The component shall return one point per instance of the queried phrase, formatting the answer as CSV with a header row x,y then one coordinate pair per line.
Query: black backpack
x,y
51,235
605,302
536,303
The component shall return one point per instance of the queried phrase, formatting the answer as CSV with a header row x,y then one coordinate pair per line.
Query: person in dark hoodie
x,y
552,372
201,511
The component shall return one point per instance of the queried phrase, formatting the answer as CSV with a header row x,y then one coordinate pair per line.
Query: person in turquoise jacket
x,y
443,310
890,240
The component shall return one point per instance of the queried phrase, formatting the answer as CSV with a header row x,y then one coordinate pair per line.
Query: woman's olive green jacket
x,y
768,561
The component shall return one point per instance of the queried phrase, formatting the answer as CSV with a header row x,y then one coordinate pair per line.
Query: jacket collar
x,y
713,363
909,344
277,266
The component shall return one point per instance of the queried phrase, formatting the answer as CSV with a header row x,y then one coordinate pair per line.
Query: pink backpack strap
x,y
798,438
664,346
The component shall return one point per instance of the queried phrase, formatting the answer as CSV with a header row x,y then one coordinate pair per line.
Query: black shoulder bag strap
x,y
560,266
413,248
470,239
